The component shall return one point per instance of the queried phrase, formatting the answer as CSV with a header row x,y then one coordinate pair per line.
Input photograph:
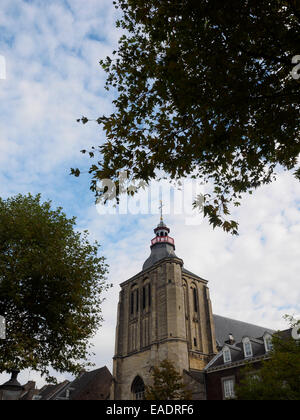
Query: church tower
x,y
164,312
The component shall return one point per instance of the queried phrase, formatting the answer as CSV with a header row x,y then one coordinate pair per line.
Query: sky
x,y
51,52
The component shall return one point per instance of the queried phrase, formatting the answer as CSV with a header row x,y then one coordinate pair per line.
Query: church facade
x,y
165,312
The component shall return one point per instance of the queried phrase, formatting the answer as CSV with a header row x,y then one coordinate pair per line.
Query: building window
x,y
226,355
268,342
247,347
144,297
195,298
131,303
137,300
149,295
138,388
228,388
195,342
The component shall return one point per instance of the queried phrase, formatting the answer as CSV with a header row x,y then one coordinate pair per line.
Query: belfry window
x,y
131,303
149,295
137,299
144,297
138,388
195,298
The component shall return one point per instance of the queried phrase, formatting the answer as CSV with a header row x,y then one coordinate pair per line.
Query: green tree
x,y
167,384
204,89
51,284
279,377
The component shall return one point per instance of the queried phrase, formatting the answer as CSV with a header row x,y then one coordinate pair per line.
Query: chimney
x,y
82,372
30,385
231,339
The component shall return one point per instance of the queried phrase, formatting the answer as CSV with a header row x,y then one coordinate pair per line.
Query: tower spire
x,y
161,211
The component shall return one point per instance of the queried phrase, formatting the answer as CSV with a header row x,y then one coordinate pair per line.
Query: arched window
x,y
149,295
138,388
134,300
131,303
137,300
144,297
195,299
247,347
268,342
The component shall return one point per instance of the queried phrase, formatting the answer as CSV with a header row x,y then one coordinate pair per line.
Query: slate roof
x,y
239,329
159,252
165,250
196,375
48,392
85,385
189,273
29,391
103,377
237,354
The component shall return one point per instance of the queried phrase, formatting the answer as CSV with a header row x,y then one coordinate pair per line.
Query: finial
x,y
161,210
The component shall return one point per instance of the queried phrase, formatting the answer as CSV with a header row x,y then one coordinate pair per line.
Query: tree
x,y
205,89
51,284
279,377
167,384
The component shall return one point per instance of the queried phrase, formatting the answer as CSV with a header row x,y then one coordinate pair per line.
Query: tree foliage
x,y
204,89
279,377
167,384
51,284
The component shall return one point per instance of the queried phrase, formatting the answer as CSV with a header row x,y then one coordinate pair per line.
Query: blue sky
x,y
52,51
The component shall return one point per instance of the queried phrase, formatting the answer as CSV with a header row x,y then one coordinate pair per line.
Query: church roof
x,y
189,273
239,329
159,252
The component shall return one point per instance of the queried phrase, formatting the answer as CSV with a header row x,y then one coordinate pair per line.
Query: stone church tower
x,y
164,312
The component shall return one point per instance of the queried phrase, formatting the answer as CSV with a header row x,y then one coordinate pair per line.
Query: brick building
x,y
224,371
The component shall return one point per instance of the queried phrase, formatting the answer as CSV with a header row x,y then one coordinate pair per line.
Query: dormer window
x,y
226,355
268,342
247,347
